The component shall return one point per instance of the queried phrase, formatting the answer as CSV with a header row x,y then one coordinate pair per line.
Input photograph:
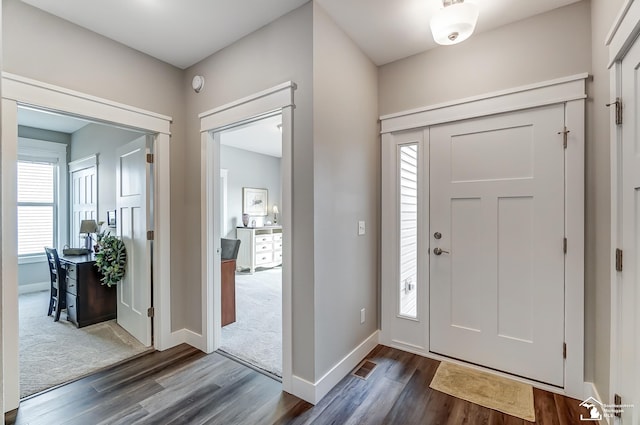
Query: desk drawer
x,y
72,308
72,271
72,286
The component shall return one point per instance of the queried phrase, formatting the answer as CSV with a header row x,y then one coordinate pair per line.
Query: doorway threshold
x,y
249,365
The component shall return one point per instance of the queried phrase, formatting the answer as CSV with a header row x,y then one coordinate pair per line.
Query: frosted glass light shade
x,y
454,24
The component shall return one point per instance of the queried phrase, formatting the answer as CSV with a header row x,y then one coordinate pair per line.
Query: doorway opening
x,y
70,323
251,260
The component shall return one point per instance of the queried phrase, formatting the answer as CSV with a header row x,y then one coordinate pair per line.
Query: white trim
x,y
314,392
22,91
278,99
572,92
530,96
224,178
33,287
32,259
624,31
590,390
83,163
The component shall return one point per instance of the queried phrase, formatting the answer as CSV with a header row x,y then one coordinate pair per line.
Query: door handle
x,y
439,251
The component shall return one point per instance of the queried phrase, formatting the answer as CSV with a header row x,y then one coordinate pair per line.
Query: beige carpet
x,y
507,396
52,353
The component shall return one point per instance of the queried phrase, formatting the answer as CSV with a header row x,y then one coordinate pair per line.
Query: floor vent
x,y
364,369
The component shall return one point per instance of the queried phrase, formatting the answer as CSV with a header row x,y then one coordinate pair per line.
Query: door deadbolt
x,y
437,235
439,251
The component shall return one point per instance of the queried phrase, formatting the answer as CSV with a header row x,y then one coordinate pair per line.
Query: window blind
x,y
36,206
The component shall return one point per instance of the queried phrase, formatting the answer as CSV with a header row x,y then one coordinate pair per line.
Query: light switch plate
x,y
361,228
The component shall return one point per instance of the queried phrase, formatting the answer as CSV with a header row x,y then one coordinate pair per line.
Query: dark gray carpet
x,y
52,353
256,335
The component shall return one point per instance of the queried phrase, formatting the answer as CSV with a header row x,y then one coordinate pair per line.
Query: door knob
x,y
439,251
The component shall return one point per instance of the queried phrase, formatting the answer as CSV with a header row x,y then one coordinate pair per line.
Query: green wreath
x,y
111,259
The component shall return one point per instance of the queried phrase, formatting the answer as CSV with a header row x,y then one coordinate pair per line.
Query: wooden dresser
x,y
259,247
88,300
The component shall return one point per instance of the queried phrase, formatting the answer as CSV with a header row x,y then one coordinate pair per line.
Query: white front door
x,y
496,242
132,204
628,338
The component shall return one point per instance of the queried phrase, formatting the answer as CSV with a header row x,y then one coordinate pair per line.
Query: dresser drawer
x,y
277,246
264,258
263,247
263,238
277,257
277,237
72,308
72,286
72,271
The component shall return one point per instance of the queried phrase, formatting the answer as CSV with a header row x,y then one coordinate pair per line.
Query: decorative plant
x,y
111,259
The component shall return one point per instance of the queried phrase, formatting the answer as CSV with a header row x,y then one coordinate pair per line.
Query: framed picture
x,y
254,201
111,218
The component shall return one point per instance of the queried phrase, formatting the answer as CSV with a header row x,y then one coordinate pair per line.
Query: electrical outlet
x,y
362,316
361,228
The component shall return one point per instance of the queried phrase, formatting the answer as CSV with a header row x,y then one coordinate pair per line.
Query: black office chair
x,y
57,302
230,248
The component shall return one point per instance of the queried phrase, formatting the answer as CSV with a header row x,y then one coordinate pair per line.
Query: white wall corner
x,y
590,390
313,393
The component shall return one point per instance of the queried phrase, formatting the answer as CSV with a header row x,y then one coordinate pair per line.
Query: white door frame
x,y
572,92
17,90
273,100
623,34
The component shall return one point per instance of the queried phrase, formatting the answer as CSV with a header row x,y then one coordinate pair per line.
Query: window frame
x,y
55,153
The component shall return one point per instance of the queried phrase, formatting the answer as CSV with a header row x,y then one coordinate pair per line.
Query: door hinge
x,y
149,158
150,235
564,245
565,136
151,312
617,402
618,259
618,105
564,350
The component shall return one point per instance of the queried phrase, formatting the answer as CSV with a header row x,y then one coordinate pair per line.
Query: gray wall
x,y
598,201
346,158
546,46
278,52
30,273
102,140
248,169
46,48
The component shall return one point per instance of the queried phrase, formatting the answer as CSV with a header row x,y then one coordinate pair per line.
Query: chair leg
x,y
51,303
58,311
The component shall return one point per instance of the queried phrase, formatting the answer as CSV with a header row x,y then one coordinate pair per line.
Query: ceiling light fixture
x,y
455,22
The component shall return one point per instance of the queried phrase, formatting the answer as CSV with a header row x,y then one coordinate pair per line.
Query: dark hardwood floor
x,y
185,386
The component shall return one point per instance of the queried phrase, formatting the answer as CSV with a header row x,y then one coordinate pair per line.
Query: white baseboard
x,y
313,393
33,287
590,390
185,336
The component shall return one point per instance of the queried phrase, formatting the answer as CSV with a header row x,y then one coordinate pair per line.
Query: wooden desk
x,y
228,272
88,301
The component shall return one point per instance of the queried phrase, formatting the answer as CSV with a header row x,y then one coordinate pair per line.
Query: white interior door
x,y
629,289
132,204
84,200
497,214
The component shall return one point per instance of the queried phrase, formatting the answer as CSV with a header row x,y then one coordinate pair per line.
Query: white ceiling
x,y
49,121
184,32
262,136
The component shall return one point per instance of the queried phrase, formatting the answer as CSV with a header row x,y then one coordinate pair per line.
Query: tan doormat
x,y
501,394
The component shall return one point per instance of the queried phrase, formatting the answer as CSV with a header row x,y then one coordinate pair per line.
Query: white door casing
x,y
132,218
624,56
17,90
404,334
497,199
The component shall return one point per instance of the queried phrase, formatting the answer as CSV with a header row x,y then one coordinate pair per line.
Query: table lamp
x,y
87,227
275,214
